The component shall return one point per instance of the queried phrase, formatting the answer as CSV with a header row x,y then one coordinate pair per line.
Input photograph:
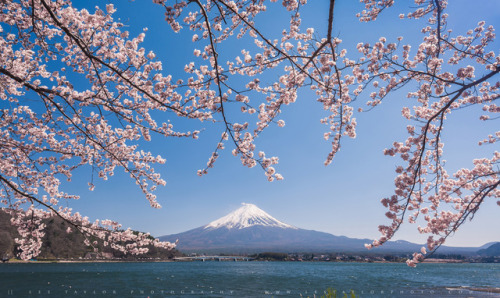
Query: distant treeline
x,y
340,257
271,256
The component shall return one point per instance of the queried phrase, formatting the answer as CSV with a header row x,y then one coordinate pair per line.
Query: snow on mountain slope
x,y
250,229
247,216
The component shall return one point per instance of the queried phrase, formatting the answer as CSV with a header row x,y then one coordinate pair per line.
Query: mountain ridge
x,y
249,229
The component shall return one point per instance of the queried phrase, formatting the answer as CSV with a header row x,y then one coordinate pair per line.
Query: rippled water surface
x,y
247,279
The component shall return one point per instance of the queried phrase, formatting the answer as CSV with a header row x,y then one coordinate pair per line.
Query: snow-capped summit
x,y
246,216
250,229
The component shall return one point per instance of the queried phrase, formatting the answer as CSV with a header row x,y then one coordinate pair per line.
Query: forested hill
x,y
57,244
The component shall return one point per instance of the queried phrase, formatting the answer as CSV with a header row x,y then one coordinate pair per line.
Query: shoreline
x,y
428,261
84,261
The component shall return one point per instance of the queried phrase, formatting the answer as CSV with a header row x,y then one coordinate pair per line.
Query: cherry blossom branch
x,y
95,58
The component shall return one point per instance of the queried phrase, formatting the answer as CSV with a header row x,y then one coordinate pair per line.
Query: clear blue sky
x,y
343,198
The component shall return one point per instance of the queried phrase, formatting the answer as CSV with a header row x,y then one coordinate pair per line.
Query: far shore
x,y
46,261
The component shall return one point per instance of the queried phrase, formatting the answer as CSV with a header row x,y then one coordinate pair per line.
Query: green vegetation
x,y
332,293
271,256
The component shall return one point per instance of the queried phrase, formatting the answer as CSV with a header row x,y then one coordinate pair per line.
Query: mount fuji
x,y
250,229
247,216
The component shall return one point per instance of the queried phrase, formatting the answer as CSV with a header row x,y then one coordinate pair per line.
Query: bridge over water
x,y
214,258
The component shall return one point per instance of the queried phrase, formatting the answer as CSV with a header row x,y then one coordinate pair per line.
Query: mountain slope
x,y
491,251
250,229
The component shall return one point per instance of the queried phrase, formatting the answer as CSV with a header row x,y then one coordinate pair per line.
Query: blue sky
x,y
343,198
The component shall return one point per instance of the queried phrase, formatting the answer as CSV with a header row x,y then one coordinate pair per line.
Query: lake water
x,y
247,279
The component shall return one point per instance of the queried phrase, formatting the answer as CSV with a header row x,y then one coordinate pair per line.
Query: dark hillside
x,y
7,235
491,251
58,244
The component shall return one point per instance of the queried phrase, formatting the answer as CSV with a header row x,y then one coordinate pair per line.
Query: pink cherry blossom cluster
x,y
50,126
451,73
46,45
211,83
